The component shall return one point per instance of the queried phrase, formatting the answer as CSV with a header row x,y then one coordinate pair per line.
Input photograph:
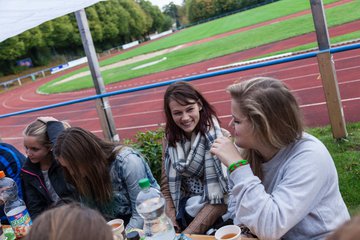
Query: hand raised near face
x,y
47,119
225,150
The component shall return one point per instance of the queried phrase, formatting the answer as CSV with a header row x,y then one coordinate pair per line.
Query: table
x,y
8,229
206,237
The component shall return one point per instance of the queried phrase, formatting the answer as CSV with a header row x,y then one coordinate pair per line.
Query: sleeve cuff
x,y
241,173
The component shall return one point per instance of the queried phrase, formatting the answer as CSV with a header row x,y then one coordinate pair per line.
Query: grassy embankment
x,y
346,155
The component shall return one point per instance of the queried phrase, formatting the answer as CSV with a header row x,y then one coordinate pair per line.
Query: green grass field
x,y
346,155
234,43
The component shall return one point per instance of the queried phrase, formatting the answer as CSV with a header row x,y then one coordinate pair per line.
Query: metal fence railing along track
x,y
190,78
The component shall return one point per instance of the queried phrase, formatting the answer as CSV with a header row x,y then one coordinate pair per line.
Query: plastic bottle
x,y
7,187
150,204
15,208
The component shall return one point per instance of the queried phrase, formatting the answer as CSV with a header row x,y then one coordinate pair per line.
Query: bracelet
x,y
237,164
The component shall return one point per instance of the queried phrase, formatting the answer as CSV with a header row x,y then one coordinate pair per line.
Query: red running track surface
x,y
140,111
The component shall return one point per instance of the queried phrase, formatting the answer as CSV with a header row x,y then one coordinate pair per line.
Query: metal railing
x,y
191,78
32,76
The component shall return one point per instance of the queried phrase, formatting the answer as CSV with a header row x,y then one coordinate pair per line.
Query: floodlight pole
x,y
328,72
102,104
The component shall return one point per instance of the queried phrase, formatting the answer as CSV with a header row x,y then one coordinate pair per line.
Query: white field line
x,y
161,124
237,64
137,93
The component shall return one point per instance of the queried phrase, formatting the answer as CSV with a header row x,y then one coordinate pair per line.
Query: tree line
x,y
196,11
112,24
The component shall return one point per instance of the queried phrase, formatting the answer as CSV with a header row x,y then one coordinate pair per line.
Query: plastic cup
x,y
118,228
228,232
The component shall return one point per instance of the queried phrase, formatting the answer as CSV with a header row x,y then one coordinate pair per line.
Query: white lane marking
x,y
159,124
8,139
271,72
207,92
160,100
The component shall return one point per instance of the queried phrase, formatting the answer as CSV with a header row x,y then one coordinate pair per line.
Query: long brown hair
x,y
273,112
70,222
87,159
184,93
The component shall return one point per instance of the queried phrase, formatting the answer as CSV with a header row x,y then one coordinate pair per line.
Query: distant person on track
x,y
289,189
105,174
193,181
11,162
42,177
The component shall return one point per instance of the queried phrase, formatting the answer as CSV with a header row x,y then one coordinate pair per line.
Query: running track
x,y
140,111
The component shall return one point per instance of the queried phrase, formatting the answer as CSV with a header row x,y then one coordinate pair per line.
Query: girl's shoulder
x,y
30,169
127,160
126,155
307,151
125,151
28,165
308,141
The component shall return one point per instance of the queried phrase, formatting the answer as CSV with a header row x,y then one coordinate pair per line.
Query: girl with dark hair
x,y
193,182
290,189
105,174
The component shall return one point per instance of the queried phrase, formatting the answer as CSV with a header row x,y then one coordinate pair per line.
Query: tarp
x,y
17,16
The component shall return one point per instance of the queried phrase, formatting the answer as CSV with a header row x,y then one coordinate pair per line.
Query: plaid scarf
x,y
196,161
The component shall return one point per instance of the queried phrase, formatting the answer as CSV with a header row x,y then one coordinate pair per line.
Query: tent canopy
x,y
17,16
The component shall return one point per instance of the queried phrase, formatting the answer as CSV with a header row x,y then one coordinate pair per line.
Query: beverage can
x,y
20,221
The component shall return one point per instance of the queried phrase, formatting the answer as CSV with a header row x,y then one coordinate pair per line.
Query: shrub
x,y
149,144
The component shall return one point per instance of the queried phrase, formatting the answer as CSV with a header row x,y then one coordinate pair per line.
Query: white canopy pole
x,y
102,104
328,72
17,16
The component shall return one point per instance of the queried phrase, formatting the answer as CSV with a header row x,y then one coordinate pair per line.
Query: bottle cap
x,y
2,174
144,183
133,235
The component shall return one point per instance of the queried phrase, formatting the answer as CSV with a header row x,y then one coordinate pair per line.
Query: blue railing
x,y
191,78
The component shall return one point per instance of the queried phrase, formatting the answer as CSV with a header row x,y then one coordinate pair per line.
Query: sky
x,y
162,3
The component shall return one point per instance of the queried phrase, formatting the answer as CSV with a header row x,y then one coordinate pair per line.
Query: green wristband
x,y
237,164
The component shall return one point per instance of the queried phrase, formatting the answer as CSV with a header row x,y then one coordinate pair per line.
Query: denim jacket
x,y
125,172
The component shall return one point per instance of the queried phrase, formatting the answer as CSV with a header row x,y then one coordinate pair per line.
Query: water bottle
x,y
7,187
150,204
15,209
